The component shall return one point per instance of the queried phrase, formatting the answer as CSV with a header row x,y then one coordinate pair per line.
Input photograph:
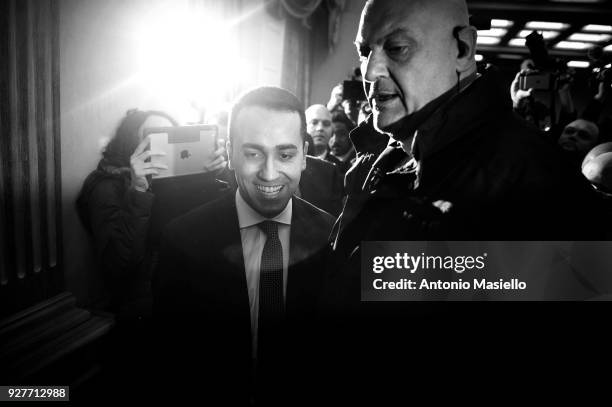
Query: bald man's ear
x,y
466,48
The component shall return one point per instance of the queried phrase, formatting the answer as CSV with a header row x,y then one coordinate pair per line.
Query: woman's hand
x,y
140,168
335,98
219,160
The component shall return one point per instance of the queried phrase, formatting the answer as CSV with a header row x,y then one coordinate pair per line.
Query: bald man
x,y
579,137
319,127
459,164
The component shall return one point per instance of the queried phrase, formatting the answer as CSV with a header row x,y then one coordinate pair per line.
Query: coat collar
x,y
461,114
366,139
457,115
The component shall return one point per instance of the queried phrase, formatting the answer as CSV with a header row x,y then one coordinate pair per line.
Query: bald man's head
x,y
319,126
579,136
317,110
454,12
410,54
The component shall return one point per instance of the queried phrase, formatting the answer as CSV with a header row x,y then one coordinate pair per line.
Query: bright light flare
x,y
188,59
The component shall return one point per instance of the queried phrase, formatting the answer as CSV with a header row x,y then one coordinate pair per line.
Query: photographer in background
x,y
340,144
577,134
117,207
535,88
547,77
348,97
336,104
524,101
114,206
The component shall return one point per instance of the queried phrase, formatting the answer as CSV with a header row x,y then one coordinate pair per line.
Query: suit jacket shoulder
x,y
206,238
322,184
308,220
211,221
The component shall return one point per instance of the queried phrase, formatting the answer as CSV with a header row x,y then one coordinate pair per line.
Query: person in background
x,y
575,134
339,103
114,206
334,104
340,144
319,127
527,106
577,139
584,133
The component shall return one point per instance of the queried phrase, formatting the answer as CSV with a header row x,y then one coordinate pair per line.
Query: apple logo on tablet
x,y
185,154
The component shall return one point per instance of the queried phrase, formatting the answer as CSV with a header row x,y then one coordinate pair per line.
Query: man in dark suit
x,y
239,276
340,144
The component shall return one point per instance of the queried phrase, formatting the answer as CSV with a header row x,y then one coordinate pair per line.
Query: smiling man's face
x,y
267,153
408,56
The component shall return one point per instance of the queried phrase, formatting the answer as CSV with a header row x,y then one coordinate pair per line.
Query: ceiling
x,y
570,28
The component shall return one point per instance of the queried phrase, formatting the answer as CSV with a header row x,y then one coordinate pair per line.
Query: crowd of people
x,y
269,236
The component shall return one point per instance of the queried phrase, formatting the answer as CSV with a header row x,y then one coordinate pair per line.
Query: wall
x,y
99,82
330,69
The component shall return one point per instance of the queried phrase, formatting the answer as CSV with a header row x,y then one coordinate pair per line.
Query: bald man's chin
x,y
386,125
384,130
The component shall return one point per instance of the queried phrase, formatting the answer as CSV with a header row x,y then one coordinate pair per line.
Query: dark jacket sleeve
x,y
337,191
119,220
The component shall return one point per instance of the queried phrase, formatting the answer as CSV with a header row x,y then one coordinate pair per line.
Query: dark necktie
x,y
271,303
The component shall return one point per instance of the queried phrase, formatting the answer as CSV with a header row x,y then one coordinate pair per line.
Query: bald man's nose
x,y
375,66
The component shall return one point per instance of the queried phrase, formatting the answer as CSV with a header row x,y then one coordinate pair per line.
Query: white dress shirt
x,y
253,241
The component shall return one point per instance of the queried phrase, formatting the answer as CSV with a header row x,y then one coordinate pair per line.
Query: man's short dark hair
x,y
341,117
269,97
